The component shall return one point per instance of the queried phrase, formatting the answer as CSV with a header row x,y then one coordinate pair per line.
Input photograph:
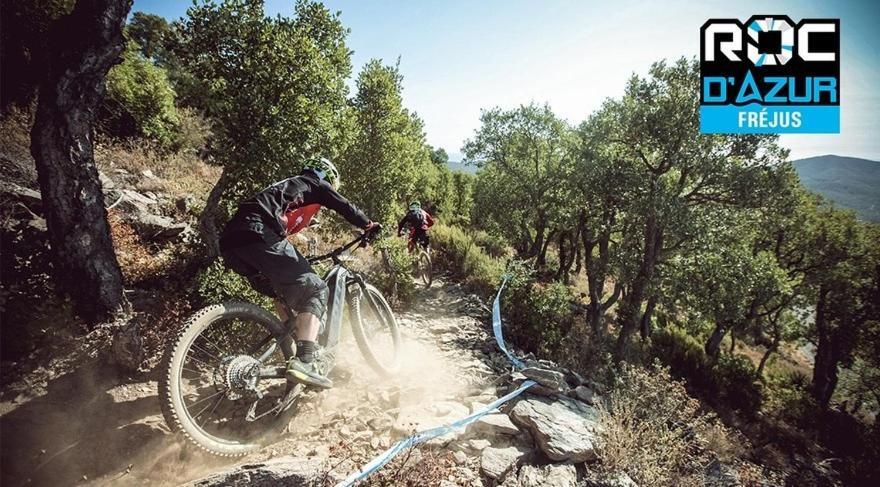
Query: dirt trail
x,y
91,426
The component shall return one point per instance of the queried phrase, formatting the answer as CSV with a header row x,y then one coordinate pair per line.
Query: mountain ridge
x,y
850,182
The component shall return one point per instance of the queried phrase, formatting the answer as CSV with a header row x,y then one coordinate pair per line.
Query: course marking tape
x,y
426,435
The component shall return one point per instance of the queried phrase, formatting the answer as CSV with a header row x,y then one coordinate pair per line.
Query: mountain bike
x,y
423,267
223,385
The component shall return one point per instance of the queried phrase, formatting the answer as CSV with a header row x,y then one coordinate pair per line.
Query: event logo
x,y
770,75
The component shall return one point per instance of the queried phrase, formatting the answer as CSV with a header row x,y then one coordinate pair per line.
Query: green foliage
x,y
539,315
521,154
216,284
194,130
730,380
140,101
273,86
150,32
457,252
788,398
493,245
387,154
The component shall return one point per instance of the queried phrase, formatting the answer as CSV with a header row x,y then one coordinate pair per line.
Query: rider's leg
x,y
304,292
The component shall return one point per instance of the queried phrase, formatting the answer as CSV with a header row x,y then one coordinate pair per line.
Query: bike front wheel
x,y
425,268
375,329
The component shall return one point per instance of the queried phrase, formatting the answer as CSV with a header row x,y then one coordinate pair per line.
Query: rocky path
x,y
91,426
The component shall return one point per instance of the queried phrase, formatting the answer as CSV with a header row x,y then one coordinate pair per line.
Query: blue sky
x,y
458,57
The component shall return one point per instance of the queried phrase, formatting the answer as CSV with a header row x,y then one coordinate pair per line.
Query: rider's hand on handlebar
x,y
372,231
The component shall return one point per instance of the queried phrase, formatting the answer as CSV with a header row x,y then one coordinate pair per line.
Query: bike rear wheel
x,y
213,388
375,329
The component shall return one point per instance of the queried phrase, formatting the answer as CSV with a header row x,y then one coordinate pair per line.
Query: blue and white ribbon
x,y
426,435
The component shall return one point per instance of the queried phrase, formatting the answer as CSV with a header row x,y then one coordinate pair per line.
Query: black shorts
x,y
279,270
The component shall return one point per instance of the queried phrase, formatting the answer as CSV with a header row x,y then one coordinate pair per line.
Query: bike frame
x,y
338,279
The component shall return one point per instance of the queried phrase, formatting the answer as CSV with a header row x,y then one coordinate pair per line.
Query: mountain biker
x,y
254,244
419,222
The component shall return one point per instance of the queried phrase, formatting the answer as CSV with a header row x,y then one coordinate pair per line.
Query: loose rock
x,y
495,424
285,471
554,475
496,462
561,428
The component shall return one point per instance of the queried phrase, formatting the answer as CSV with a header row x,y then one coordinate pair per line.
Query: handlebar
x,y
361,241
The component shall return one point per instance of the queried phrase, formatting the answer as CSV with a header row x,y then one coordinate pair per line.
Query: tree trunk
x,y
208,218
826,360
541,262
646,327
765,357
83,46
628,315
713,344
732,343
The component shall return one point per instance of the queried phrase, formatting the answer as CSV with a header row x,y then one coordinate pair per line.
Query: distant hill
x,y
461,167
849,182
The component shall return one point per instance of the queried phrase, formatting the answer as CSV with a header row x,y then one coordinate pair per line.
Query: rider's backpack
x,y
417,218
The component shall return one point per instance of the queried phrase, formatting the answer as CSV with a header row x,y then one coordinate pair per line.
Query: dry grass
x,y
177,174
136,259
650,429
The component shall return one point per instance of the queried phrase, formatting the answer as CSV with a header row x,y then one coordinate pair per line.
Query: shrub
x,y
194,131
140,100
539,315
737,383
216,284
493,245
789,399
731,380
457,252
649,427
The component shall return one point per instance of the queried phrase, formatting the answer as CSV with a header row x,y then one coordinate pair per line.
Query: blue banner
x,y
770,119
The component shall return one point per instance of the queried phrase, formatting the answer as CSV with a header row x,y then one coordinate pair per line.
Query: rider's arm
x,y
327,196
401,224
429,219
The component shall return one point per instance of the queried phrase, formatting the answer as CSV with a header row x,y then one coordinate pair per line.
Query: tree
x,y
274,88
83,47
388,154
151,33
520,153
24,53
684,175
845,285
140,101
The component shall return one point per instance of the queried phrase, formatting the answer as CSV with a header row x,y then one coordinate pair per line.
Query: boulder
x,y
550,379
479,444
585,394
553,475
496,462
718,474
27,196
564,429
285,471
494,424
106,183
